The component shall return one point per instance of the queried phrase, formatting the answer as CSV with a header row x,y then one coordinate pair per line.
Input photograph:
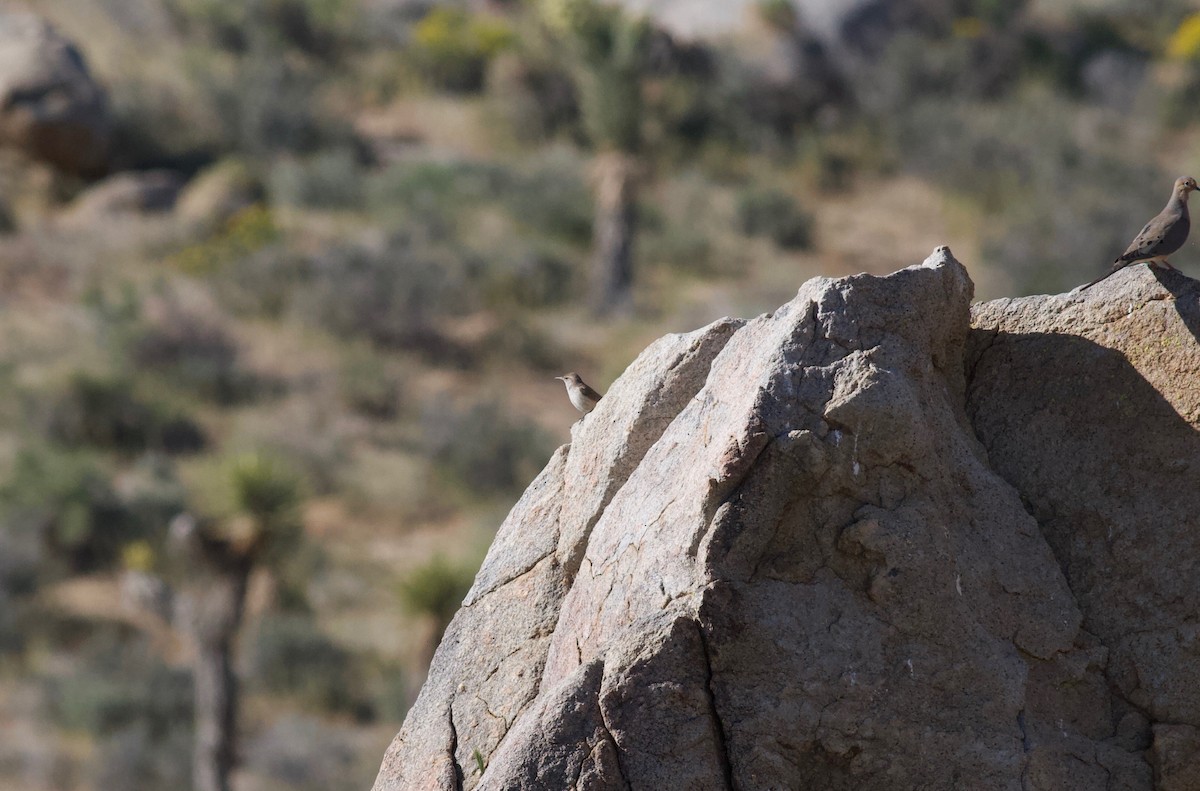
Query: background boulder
x,y
50,107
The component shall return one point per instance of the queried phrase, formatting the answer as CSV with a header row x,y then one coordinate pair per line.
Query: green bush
x,y
307,754
435,195
12,635
21,558
263,283
532,95
105,412
120,684
528,279
436,590
314,27
69,499
292,656
775,215
483,448
552,199
272,106
247,232
142,758
191,348
371,384
390,297
451,48
331,179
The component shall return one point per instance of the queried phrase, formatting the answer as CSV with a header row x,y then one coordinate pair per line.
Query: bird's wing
x,y
1146,243
589,393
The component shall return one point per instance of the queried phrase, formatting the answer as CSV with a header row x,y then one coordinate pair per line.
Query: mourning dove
x,y
1162,236
583,397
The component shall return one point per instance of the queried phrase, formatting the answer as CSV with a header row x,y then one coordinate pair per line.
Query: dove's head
x,y
1184,186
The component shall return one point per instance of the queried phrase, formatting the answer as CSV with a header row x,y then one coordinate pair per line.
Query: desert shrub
x,y
104,411
258,496
916,68
435,194
21,557
532,96
264,282
775,215
120,684
436,590
68,497
315,444
451,47
1181,104
371,384
386,684
250,230
516,338
530,278
306,754
313,27
483,448
266,488
552,198
292,656
272,106
12,636
679,248
142,758
548,196
1184,43
331,179
390,296
186,341
1066,58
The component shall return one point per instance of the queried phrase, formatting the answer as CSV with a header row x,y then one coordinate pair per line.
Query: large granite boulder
x,y
778,555
1089,405
860,25
217,194
50,107
127,194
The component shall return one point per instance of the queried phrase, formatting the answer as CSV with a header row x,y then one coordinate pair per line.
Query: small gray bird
x,y
582,397
1162,236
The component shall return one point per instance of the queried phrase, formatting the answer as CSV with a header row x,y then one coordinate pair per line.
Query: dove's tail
x,y
1118,265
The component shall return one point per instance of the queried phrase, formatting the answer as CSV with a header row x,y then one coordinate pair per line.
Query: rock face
x,y
50,107
1091,408
862,25
217,194
125,194
852,544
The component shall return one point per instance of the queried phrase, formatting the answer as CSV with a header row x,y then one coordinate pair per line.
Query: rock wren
x,y
583,397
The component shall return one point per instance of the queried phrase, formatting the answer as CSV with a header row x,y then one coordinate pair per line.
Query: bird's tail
x,y
1117,267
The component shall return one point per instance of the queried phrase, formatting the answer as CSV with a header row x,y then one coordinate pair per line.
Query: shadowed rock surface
x,y
777,556
50,107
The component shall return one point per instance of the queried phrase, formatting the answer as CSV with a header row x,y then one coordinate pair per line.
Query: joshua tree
x,y
435,591
262,527
607,50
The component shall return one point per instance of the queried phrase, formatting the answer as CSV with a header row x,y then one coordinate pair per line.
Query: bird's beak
x,y
561,378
